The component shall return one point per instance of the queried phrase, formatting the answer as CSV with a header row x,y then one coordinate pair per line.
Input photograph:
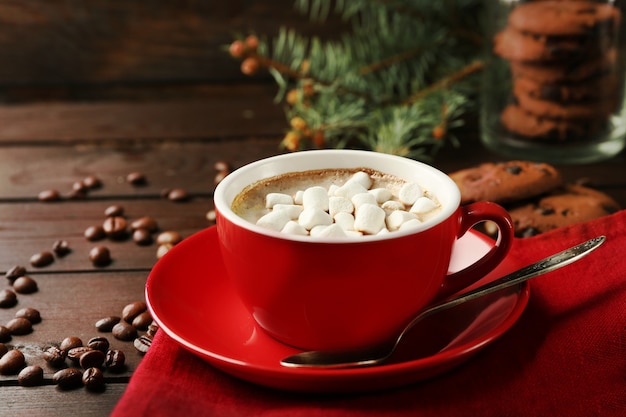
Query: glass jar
x,y
553,86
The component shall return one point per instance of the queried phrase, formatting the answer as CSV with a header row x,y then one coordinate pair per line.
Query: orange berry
x,y
319,139
439,132
298,123
308,89
236,49
252,42
250,66
292,96
291,141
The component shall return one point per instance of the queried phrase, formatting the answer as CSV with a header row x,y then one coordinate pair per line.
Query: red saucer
x,y
192,300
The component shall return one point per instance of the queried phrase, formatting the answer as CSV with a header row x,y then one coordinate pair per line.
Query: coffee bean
x,y
80,186
3,349
100,256
136,178
114,211
15,272
70,342
170,237
142,237
7,299
92,182
49,196
12,362
61,248
115,227
19,326
77,194
132,310
153,328
115,360
5,334
124,331
93,379
163,249
147,223
221,166
106,324
91,359
142,321
219,177
142,344
74,354
68,378
55,356
29,314
211,215
164,192
42,259
31,376
25,285
94,233
178,194
99,343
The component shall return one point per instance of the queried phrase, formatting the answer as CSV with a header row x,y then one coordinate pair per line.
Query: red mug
x,y
325,293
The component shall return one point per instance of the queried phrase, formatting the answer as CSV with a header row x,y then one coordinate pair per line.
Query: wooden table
x,y
173,135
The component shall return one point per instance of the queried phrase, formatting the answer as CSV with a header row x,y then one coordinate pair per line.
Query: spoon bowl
x,y
378,354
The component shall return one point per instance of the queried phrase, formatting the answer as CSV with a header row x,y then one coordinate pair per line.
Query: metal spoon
x,y
377,354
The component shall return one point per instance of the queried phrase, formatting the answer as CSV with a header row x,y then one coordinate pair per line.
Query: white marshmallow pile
x,y
351,209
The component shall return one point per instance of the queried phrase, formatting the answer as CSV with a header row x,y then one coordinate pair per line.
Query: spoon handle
x,y
541,267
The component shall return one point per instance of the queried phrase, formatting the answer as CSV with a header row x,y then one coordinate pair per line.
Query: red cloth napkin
x,y
566,356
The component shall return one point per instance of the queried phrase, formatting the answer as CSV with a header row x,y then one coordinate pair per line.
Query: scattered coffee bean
x,y
91,359
5,335
106,324
75,353
19,326
153,328
3,349
93,379
132,310
100,256
94,233
92,182
70,342
12,362
178,194
99,343
124,331
115,227
147,223
80,186
211,215
55,356
42,259
136,178
170,237
219,177
142,344
7,298
114,211
31,376
68,378
163,249
142,237
164,192
25,285
61,248
29,314
142,321
15,272
77,195
221,166
49,196
115,360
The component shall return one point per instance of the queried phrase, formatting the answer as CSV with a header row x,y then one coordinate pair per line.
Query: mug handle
x,y
472,214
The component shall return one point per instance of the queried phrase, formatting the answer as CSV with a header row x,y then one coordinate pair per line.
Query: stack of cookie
x,y
534,195
563,59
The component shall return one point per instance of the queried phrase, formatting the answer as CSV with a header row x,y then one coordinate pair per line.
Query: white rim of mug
x,y
232,185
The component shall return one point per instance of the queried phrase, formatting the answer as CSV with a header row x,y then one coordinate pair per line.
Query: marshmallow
x,y
410,224
332,230
274,220
410,192
292,210
311,217
423,205
297,198
349,189
363,198
315,197
397,218
392,205
362,178
339,205
277,198
381,194
344,220
369,219
332,189
294,228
